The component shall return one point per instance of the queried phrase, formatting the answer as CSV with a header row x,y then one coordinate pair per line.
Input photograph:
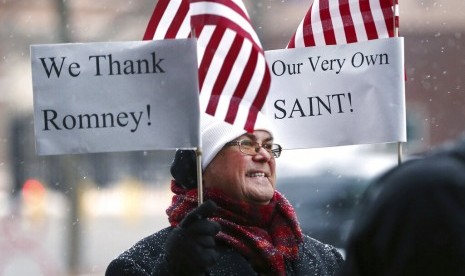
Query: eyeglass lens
x,y
252,148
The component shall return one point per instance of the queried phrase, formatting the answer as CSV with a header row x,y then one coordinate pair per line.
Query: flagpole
x,y
396,34
198,154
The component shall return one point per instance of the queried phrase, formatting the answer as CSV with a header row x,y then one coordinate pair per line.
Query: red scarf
x,y
266,235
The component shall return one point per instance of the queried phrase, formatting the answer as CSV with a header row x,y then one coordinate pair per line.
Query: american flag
x,y
170,19
333,22
234,77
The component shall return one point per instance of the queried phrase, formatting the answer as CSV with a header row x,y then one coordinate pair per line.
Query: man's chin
x,y
262,198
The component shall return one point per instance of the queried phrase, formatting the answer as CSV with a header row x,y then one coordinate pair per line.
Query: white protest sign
x,y
338,95
116,96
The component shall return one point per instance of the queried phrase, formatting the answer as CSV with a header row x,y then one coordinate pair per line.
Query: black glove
x,y
190,247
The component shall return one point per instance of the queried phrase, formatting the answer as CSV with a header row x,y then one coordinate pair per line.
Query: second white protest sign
x,y
338,95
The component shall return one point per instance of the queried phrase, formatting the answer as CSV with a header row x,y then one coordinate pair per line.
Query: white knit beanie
x,y
216,133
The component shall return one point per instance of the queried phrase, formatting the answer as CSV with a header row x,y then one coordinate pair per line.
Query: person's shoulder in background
x,y
412,219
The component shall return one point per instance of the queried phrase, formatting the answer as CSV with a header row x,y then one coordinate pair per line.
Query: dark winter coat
x,y
413,220
147,258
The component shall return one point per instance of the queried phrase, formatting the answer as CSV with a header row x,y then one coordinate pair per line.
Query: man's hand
x,y
190,247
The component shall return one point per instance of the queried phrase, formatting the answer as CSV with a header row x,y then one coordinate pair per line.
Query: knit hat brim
x,y
216,133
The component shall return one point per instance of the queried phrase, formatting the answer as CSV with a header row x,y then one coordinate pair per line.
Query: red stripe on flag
x,y
241,87
225,23
326,23
224,74
349,29
222,14
386,9
222,19
227,3
174,28
291,43
207,14
157,14
368,21
208,55
258,102
387,6
309,39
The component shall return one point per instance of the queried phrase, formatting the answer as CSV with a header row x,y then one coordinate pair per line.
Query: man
x,y
245,227
412,221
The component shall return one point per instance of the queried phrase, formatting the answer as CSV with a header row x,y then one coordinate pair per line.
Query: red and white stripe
x,y
331,22
234,77
170,19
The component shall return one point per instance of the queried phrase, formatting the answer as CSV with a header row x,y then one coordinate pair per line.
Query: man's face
x,y
241,176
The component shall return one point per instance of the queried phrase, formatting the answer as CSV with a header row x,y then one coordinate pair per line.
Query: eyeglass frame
x,y
275,153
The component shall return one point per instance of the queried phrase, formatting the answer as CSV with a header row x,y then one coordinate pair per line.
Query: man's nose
x,y
263,154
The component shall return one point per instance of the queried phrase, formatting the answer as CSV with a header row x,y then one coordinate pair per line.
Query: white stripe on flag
x,y
316,24
378,17
338,25
165,22
185,29
243,112
358,20
206,34
256,80
234,78
299,36
215,66
221,10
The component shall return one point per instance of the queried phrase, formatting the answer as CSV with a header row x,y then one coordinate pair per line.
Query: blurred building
x,y
23,23
434,32
434,60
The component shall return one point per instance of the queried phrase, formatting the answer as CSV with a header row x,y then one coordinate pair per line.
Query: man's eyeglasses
x,y
252,148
